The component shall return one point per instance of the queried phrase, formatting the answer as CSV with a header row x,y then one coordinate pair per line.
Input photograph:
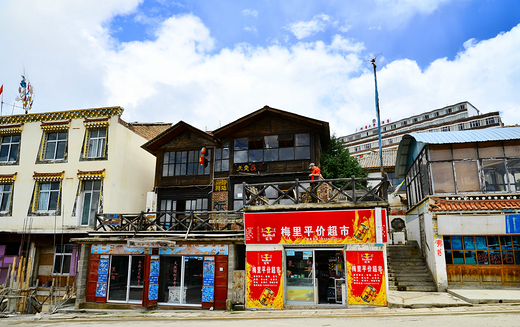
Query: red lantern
x,y
202,154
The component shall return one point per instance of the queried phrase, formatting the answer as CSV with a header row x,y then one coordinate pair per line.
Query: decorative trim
x,y
55,126
11,129
62,115
49,177
7,178
91,175
96,123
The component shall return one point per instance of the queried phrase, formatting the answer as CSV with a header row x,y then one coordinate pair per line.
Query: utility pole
x,y
373,61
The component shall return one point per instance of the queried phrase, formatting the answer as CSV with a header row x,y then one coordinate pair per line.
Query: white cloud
x,y
250,12
179,76
251,29
303,29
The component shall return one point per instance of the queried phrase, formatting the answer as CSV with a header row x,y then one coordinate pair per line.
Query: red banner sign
x,y
264,280
315,227
366,278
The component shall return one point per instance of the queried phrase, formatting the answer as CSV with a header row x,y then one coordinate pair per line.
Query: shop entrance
x,y
180,280
314,276
126,278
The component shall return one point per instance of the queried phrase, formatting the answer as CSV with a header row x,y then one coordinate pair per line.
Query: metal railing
x,y
319,191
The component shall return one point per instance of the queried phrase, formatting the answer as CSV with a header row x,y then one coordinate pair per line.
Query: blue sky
x,y
211,62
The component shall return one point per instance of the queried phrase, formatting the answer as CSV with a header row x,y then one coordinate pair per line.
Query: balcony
x,y
325,194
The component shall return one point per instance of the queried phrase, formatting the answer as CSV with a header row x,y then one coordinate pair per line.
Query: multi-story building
x,y
57,170
237,204
458,117
463,191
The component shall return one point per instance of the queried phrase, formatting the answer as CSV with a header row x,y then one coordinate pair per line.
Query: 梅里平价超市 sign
x,y
316,227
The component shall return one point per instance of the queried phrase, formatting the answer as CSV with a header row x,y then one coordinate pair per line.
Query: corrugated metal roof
x,y
477,135
412,144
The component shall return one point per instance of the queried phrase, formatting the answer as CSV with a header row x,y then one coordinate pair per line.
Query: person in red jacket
x,y
316,172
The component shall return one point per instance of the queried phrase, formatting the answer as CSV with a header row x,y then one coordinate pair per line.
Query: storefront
x,y
315,258
180,275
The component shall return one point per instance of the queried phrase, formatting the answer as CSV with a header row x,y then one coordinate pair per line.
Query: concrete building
x,y
57,170
456,117
463,204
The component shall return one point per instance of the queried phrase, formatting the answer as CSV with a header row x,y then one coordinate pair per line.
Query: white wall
x,y
129,176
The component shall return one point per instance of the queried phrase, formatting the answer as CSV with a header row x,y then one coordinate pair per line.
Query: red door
x,y
221,281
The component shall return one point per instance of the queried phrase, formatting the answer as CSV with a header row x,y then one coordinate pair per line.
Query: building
x,y
57,170
463,203
457,117
236,206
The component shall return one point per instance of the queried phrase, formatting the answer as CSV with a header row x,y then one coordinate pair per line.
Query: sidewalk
x,y
399,304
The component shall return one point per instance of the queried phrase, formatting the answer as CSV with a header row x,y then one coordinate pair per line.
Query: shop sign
x,y
117,249
249,167
316,227
220,185
366,278
264,280
153,288
149,243
195,249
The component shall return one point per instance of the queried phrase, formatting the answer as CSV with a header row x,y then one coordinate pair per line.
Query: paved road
x,y
478,320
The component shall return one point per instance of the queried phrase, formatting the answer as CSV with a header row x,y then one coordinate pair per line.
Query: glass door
x,y
300,276
193,280
118,279
136,279
126,279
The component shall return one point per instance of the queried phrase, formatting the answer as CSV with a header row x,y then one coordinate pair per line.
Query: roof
x,y
167,135
266,110
62,115
412,144
148,130
371,160
477,205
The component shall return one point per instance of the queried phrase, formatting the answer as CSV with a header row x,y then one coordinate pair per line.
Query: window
x,y
55,146
393,126
272,148
367,146
9,148
5,197
482,250
443,181
62,259
436,114
475,123
449,110
238,197
48,195
404,123
96,143
445,129
222,157
91,191
490,121
494,175
415,120
461,126
426,116
183,163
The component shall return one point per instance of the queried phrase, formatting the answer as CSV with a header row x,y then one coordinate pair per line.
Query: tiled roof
x,y
476,204
148,130
62,115
371,160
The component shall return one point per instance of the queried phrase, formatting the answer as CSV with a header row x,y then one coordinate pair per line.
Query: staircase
x,y
407,270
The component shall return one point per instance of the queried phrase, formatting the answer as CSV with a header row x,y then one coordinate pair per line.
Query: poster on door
x,y
264,280
316,227
366,278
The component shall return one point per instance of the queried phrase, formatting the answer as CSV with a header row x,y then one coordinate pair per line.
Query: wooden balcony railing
x,y
172,221
353,190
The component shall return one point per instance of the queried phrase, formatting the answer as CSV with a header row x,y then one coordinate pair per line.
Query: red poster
x,y
315,227
264,280
366,278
